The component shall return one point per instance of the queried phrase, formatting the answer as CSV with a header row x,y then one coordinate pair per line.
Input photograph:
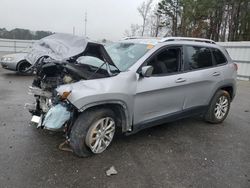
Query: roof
x,y
166,39
152,40
142,40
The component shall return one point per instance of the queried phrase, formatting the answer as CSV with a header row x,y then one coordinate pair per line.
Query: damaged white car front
x,y
60,61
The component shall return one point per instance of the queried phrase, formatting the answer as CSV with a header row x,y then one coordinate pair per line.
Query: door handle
x,y
180,80
216,74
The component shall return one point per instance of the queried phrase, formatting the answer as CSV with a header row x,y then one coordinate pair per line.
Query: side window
x,y
198,57
218,56
166,61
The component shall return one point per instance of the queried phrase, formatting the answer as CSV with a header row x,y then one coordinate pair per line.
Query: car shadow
x,y
163,129
15,74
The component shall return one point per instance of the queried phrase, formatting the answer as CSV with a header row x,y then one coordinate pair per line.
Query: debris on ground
x,y
111,171
65,146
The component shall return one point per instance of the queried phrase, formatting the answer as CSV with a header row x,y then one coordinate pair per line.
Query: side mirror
x,y
147,71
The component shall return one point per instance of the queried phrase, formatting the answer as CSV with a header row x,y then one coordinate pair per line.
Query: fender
x,y
128,118
224,86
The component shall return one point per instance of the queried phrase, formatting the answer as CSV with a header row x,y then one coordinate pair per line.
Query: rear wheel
x,y
219,107
93,132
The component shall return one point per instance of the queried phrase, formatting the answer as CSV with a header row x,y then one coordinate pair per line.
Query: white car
x,y
90,91
15,62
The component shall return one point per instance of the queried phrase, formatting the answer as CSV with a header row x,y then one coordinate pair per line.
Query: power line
x,y
85,21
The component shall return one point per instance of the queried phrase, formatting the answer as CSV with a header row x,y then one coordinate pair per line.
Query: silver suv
x,y
94,91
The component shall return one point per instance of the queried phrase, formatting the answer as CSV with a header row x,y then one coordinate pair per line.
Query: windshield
x,y
124,55
94,62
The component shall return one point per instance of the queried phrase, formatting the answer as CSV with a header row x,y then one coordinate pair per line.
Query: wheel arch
x,y
119,108
228,87
20,62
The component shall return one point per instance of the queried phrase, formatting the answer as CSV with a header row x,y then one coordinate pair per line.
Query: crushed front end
x,y
62,60
51,110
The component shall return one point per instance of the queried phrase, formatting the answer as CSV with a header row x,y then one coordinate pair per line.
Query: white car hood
x,y
61,47
58,47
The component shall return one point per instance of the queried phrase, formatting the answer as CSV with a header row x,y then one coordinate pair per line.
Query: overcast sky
x,y
106,18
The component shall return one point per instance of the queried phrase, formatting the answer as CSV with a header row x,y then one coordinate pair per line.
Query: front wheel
x,y
219,107
93,132
24,68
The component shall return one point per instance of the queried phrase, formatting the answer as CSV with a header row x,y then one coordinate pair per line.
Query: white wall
x,y
240,53
9,45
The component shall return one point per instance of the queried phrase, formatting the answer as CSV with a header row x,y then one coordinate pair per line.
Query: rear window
x,y
198,57
218,56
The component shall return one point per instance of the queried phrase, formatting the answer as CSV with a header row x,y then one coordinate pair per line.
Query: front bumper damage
x,y
48,113
56,117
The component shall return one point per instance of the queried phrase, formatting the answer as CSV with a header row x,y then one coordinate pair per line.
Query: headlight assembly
x,y
8,59
65,95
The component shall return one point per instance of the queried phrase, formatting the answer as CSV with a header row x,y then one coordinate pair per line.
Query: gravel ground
x,y
186,153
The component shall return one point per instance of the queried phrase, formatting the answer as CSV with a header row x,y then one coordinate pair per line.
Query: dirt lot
x,y
186,153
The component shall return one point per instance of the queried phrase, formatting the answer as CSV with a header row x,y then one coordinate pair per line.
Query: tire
x,y
84,135
22,66
219,107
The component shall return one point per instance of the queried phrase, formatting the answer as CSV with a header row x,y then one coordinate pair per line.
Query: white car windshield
x,y
94,62
125,54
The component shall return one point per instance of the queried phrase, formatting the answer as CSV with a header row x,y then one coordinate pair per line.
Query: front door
x,y
161,94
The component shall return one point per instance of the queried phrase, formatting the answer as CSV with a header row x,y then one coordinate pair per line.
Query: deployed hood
x,y
62,47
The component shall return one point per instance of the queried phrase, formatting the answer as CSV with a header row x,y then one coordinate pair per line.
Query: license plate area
x,y
37,120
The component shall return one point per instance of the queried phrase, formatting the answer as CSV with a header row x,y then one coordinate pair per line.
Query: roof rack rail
x,y
140,37
128,38
166,39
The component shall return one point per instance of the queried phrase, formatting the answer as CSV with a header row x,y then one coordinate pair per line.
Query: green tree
x,y
24,34
144,10
218,20
170,10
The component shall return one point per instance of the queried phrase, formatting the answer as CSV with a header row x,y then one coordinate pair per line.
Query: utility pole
x,y
74,30
85,21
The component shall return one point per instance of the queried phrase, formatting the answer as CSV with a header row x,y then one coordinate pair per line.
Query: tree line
x,y
219,20
23,34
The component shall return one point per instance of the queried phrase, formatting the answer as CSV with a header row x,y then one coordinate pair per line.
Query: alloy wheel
x,y
100,134
221,107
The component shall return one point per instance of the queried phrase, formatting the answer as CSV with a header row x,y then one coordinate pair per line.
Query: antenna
x,y
85,21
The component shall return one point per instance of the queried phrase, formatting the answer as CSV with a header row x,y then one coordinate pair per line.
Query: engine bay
x,y
52,74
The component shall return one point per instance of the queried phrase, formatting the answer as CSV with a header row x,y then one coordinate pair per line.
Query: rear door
x,y
201,74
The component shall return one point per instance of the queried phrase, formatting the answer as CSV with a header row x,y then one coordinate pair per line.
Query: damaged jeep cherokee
x,y
91,91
